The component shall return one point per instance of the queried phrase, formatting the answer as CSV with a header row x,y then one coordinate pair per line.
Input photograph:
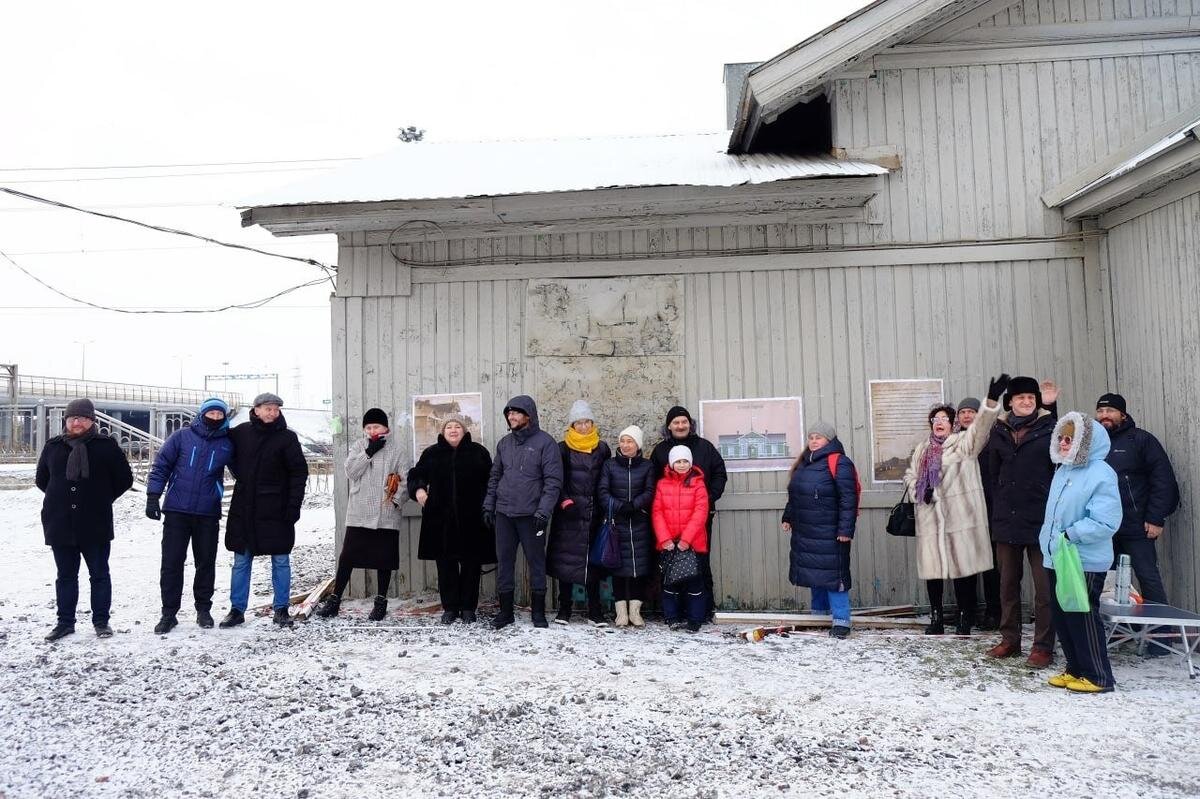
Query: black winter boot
x,y
966,620
165,624
565,599
937,622
204,619
448,616
330,607
103,631
380,609
282,618
232,619
505,616
60,631
468,617
537,609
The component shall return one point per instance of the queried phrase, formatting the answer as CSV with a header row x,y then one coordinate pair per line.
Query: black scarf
x,y
77,461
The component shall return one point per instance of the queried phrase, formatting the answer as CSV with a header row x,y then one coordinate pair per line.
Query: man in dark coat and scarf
x,y
81,472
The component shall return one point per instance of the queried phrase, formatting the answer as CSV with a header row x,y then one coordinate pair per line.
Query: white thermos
x,y
1121,592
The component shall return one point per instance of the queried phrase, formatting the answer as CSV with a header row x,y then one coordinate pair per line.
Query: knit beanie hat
x,y
678,411
1111,401
267,398
823,428
634,432
214,404
679,453
375,416
457,418
969,402
580,410
81,407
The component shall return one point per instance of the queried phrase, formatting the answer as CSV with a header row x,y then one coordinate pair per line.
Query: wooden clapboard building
x,y
928,188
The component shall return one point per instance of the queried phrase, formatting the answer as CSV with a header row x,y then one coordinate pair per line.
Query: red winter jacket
x,y
680,511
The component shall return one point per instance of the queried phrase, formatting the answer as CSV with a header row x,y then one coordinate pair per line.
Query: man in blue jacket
x,y
526,477
190,468
1149,494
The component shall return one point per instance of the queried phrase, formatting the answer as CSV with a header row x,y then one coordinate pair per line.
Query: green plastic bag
x,y
1070,584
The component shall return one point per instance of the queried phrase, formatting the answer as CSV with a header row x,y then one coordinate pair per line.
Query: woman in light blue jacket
x,y
1084,507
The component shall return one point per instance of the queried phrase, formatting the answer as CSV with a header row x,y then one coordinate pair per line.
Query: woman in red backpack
x,y
679,514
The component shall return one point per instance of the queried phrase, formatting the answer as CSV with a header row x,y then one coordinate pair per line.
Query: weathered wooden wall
x,y
1046,12
1154,269
817,332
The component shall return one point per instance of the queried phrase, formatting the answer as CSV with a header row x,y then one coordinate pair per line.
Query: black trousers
x,y
706,570
627,588
991,588
178,530
511,532
964,593
566,595
1081,635
458,583
66,586
1144,559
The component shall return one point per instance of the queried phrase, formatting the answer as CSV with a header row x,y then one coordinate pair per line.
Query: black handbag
x,y
679,566
902,521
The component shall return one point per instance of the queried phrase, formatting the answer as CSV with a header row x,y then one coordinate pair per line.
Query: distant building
x,y
753,446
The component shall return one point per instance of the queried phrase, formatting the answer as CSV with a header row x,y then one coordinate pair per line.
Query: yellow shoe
x,y
1062,680
1083,685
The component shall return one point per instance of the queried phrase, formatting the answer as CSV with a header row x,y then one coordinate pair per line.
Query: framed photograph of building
x,y
754,435
430,410
898,423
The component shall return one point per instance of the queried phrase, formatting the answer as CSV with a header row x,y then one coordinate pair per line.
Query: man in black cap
x,y
1149,494
271,474
81,472
1018,466
680,430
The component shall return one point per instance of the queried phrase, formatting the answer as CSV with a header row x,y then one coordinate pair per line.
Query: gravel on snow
x,y
330,711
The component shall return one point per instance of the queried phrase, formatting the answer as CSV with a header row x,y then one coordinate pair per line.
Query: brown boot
x,y
1004,650
1039,658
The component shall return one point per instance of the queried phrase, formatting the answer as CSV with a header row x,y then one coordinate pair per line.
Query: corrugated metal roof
x,y
444,170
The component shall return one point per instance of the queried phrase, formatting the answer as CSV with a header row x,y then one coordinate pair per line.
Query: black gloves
x,y
374,445
153,511
997,387
626,509
489,519
540,522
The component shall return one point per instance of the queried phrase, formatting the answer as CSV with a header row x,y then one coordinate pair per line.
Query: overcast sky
x,y
174,85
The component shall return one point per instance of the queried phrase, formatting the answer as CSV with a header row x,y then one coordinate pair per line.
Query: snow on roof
x,y
446,170
1190,130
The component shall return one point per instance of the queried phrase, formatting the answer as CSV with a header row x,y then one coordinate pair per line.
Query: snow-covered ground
x,y
332,710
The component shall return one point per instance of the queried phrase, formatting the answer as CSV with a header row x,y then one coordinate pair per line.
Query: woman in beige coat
x,y
943,481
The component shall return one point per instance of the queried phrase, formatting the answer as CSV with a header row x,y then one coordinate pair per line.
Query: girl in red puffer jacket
x,y
679,514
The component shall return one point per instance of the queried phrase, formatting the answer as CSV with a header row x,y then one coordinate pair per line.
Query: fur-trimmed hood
x,y
1089,440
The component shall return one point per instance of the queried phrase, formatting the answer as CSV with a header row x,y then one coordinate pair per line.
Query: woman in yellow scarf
x,y
578,515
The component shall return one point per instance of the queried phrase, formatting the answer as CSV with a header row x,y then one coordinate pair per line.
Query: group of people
x,y
82,473
994,485
1008,481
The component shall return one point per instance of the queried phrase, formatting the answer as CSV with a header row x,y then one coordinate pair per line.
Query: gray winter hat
x,y
267,398
969,402
80,407
823,428
580,410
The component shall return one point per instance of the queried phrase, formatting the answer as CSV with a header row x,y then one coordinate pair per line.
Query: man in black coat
x,y
271,475
1149,494
81,472
1019,468
680,430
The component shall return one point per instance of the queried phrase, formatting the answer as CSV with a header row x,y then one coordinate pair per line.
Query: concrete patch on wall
x,y
622,390
633,316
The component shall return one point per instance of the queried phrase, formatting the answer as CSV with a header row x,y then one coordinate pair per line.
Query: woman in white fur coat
x,y
953,542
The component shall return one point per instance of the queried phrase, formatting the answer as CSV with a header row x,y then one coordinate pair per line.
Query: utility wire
x,y
326,268
138,311
288,170
168,166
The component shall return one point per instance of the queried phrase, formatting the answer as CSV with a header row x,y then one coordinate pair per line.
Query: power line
x,y
168,166
174,175
327,269
139,311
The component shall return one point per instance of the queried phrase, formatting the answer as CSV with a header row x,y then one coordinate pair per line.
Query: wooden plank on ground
x,y
804,620
323,589
887,610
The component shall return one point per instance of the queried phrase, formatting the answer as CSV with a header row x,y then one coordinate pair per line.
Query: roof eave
x,y
1174,162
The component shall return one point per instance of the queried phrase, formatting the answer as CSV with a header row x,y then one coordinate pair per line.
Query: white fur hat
x,y
679,453
634,432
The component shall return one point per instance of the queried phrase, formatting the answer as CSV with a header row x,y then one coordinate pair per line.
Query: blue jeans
x,y
837,603
239,584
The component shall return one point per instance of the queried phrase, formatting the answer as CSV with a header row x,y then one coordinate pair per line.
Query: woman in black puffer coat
x,y
577,516
627,481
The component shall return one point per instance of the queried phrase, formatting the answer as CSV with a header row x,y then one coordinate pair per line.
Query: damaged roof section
x,y
551,184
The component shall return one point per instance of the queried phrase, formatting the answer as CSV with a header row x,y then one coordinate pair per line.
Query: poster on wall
x,y
754,435
898,423
431,410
